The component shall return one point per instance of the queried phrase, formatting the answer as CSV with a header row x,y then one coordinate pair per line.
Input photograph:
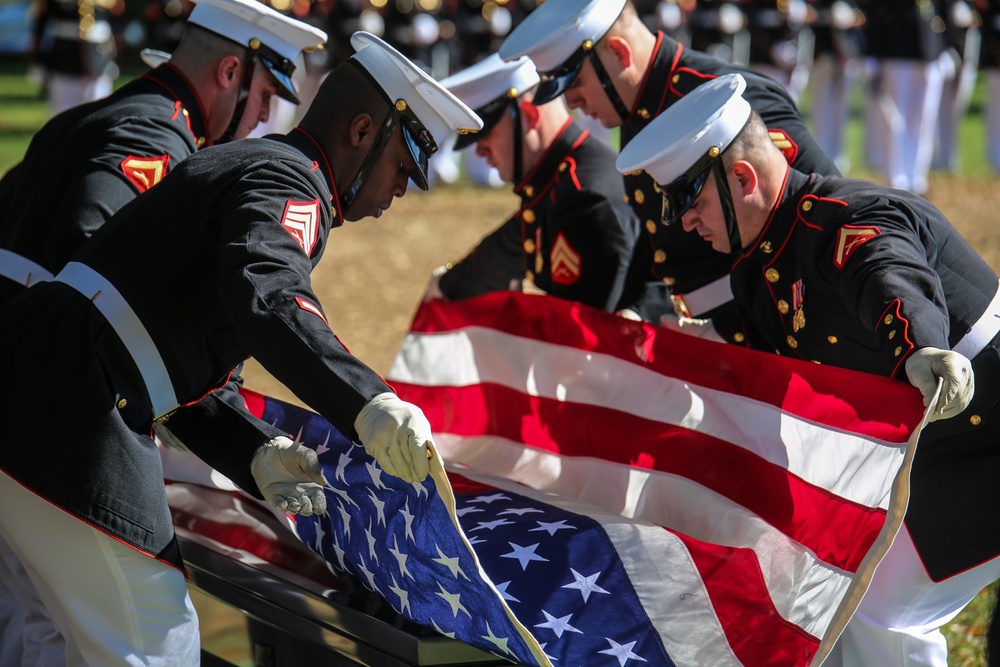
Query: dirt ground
x,y
375,271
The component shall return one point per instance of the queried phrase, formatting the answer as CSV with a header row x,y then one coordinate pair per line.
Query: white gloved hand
x,y
433,290
397,435
290,476
692,326
927,365
629,314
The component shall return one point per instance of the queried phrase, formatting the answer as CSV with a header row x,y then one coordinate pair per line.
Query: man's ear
x,y
361,129
229,72
620,49
530,114
746,175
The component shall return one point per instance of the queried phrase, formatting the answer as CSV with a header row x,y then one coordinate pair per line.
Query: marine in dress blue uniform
x,y
88,162
573,234
235,231
671,271
854,274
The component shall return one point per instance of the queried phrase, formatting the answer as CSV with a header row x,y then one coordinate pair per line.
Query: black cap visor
x,y
281,68
683,191
420,144
555,82
491,114
286,89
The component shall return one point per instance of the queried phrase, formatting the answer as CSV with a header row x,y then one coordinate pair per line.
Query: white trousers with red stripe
x,y
88,599
898,623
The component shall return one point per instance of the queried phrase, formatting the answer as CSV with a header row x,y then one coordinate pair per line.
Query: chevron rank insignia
x,y
785,144
565,261
145,172
301,220
849,239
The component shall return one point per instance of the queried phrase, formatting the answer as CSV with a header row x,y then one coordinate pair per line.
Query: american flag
x,y
618,494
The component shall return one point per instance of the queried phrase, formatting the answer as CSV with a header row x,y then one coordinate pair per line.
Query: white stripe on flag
x,y
856,468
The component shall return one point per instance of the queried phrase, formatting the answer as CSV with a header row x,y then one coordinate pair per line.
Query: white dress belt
x,y
703,299
130,330
21,269
983,331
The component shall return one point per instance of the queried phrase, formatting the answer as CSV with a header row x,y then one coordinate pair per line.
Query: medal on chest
x,y
798,314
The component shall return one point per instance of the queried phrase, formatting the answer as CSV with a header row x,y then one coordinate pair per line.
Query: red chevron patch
x,y
785,144
567,265
301,220
849,239
145,172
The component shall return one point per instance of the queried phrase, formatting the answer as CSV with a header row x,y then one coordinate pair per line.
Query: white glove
x,y
433,290
927,365
629,314
692,326
397,435
290,476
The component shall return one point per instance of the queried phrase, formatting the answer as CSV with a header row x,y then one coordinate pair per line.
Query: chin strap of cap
x,y
241,101
518,142
606,83
350,193
726,201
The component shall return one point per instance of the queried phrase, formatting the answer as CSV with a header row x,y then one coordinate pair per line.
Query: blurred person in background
x,y
837,38
74,47
905,40
989,63
719,28
166,21
781,43
960,66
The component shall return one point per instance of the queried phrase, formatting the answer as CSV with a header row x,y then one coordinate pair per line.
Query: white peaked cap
x,y
437,109
556,29
243,21
492,78
712,115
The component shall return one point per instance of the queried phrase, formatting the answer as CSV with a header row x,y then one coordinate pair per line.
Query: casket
x,y
298,611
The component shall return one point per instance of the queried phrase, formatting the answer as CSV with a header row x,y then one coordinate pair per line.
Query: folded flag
x,y
617,493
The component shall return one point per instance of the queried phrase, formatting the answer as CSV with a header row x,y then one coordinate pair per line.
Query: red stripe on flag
x,y
880,407
838,531
739,595
255,402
